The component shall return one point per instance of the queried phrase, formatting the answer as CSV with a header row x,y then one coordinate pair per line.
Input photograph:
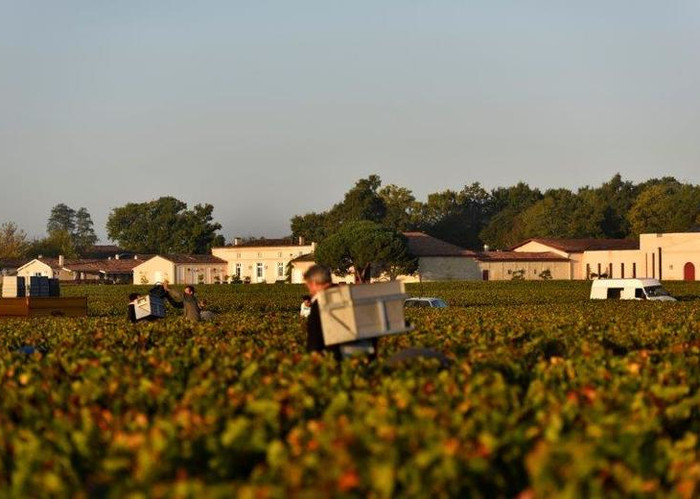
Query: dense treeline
x,y
504,216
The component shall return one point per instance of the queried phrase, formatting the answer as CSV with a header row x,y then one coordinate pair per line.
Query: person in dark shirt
x,y
317,279
187,301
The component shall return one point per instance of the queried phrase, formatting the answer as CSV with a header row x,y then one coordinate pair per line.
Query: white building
x,y
262,260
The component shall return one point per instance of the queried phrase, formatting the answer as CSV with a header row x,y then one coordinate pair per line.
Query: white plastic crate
x,y
149,306
356,312
13,287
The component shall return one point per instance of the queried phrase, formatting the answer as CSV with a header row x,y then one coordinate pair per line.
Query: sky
x,y
269,109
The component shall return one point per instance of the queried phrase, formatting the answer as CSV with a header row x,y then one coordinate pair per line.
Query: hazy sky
x,y
268,109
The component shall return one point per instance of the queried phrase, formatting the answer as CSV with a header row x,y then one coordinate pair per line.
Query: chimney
x,y
61,261
116,257
486,248
40,257
236,241
302,241
136,257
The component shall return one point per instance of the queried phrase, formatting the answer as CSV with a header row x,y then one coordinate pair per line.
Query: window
x,y
239,269
259,270
588,271
614,293
634,270
238,255
259,255
280,269
653,291
622,270
279,255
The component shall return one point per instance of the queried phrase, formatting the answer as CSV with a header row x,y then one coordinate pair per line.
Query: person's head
x,y
134,296
306,299
317,278
189,290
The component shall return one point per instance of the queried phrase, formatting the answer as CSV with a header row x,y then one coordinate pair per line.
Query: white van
x,y
629,289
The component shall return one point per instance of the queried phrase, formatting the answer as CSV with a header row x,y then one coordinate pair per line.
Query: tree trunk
x,y
364,275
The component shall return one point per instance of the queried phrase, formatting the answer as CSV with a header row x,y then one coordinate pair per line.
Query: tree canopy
x,y
13,241
70,232
365,246
164,226
503,216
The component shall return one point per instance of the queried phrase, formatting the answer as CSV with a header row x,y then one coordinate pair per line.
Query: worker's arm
x,y
174,298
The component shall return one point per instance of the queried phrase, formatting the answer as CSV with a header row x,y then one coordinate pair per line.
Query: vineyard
x,y
548,394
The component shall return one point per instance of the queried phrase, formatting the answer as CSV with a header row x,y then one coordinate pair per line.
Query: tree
x,y
62,218
83,233
361,245
617,197
58,242
312,226
457,217
400,207
665,207
77,225
163,226
561,213
361,202
502,229
13,241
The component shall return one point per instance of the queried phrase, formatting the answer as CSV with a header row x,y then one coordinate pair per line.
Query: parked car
x,y
421,302
629,289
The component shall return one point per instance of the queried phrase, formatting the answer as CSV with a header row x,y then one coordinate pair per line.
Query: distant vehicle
x,y
629,289
421,302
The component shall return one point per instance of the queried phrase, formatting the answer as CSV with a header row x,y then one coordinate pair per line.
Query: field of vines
x,y
547,394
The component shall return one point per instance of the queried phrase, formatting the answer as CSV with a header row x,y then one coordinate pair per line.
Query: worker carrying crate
x,y
348,320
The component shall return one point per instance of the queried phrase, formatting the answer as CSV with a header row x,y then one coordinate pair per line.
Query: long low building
x,y
442,261
673,256
113,270
670,256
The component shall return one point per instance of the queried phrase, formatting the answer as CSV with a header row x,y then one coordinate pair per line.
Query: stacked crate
x,y
54,288
360,312
39,286
13,287
149,307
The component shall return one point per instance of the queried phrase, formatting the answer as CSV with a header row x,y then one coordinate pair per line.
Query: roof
x,y
581,245
262,243
53,262
195,259
13,263
309,257
421,244
520,256
122,266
